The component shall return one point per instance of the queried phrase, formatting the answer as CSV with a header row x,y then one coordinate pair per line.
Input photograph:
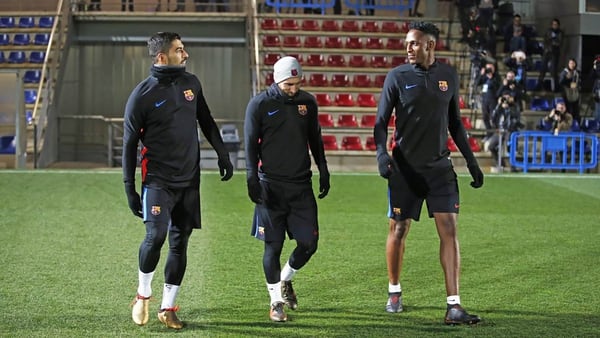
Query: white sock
x,y
287,273
453,300
145,283
394,288
169,294
275,292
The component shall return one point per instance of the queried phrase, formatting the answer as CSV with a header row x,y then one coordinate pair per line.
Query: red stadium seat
x,y
297,56
370,143
269,79
368,120
352,143
366,100
404,27
271,41
398,60
289,24
315,60
344,100
394,43
340,80
350,26
390,27
312,41
330,142
347,121
330,26
374,43
269,24
336,60
474,144
326,120
318,80
323,99
292,41
271,58
354,42
310,25
379,61
370,26
466,121
444,60
379,80
333,42
357,61
451,145
461,102
440,45
361,80
392,122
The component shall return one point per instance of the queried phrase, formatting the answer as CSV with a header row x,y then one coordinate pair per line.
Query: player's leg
x,y
272,270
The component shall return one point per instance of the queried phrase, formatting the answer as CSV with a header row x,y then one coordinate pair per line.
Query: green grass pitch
x,y
530,247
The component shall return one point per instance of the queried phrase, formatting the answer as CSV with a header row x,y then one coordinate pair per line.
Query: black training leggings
x,y
149,254
272,256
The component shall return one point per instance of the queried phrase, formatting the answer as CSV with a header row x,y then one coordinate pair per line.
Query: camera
x,y
488,70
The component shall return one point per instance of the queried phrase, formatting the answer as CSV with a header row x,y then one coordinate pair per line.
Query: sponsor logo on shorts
x,y
397,211
261,231
155,210
456,205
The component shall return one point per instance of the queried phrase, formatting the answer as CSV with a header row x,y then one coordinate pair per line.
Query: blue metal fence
x,y
388,5
314,4
544,150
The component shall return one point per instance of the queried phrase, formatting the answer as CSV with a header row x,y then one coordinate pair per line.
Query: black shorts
x,y
177,206
289,208
407,191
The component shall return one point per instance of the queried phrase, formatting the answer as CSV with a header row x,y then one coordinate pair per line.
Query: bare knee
x,y
399,229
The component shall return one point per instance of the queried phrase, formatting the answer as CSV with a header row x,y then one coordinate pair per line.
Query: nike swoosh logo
x,y
160,103
271,113
409,86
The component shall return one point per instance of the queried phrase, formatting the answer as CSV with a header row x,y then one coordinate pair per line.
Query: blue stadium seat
x,y
531,84
575,126
16,57
544,125
37,57
2,57
29,116
4,39
26,22
41,39
540,104
590,126
7,144
32,76
30,96
46,22
21,39
7,22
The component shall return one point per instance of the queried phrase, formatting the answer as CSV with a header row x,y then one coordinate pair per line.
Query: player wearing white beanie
x,y
285,68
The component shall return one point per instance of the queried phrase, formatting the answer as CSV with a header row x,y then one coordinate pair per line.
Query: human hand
x,y
476,174
386,165
324,183
255,190
133,199
225,167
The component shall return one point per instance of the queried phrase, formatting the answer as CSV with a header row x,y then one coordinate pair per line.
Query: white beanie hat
x,y
285,68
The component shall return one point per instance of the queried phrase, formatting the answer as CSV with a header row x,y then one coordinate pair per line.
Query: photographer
x,y
514,87
561,119
519,64
553,40
570,80
506,118
595,77
490,82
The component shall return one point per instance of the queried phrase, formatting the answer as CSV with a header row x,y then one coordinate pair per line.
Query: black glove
x,y
386,165
324,183
225,167
476,174
133,199
255,190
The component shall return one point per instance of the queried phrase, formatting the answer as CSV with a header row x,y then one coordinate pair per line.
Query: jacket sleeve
x,y
315,140
132,131
387,101
252,137
209,126
456,127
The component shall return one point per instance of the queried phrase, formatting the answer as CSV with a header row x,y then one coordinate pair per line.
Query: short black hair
x,y
425,27
161,42
556,20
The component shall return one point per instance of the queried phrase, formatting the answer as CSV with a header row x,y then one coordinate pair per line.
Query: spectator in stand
x,y
553,41
490,82
479,36
486,12
518,41
508,32
570,81
464,12
513,87
506,118
519,64
595,76
560,117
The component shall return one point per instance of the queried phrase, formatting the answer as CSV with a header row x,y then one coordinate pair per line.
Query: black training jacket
x,y
278,131
426,107
163,112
